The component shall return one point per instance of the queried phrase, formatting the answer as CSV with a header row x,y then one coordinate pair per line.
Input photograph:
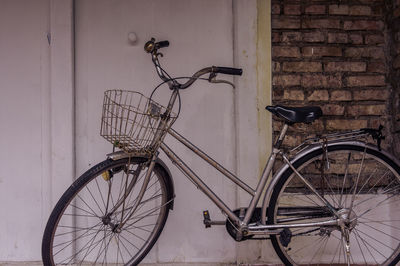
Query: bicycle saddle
x,y
306,114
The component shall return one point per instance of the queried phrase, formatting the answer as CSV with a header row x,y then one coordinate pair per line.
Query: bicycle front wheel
x,y
363,187
85,225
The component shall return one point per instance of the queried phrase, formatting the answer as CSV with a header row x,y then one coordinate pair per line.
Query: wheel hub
x,y
106,219
348,218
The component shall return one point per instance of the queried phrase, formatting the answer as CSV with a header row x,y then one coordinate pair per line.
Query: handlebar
x,y
228,70
152,47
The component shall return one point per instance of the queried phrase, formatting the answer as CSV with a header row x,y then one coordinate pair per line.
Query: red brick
x,y
317,51
377,11
365,95
276,37
376,67
277,94
363,25
340,95
293,36
338,9
285,23
396,13
397,48
292,141
357,110
276,9
294,95
302,67
316,126
375,123
370,1
276,66
396,62
277,125
337,38
341,124
286,80
319,95
360,11
321,24
285,51
292,9
313,37
316,9
359,52
356,38
397,37
332,109
361,81
322,81
346,66
374,39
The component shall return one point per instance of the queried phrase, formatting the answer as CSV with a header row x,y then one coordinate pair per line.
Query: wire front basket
x,y
130,120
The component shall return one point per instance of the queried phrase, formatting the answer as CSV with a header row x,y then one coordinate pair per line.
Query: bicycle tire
x,y
91,237
376,182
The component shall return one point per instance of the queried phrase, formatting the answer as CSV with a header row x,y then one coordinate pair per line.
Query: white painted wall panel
x,y
105,59
24,127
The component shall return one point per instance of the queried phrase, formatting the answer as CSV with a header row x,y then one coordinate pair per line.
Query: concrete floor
x,y
146,264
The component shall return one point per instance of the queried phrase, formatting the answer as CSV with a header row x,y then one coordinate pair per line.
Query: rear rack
x,y
362,133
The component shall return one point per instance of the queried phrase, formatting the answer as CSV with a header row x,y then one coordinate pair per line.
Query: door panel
x,y
200,35
24,176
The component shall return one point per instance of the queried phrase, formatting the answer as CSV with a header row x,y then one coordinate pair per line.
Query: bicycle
x,y
334,200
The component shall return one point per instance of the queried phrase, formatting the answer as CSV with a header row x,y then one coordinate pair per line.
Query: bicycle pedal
x,y
206,219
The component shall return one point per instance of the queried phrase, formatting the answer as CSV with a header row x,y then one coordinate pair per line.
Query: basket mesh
x,y
130,120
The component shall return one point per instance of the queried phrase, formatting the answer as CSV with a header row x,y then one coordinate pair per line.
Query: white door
x,y
200,35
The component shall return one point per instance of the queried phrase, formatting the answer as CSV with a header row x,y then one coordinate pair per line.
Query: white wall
x,y
36,117
38,109
24,118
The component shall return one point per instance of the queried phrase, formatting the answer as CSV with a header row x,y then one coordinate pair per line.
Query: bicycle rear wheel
x,y
363,186
83,228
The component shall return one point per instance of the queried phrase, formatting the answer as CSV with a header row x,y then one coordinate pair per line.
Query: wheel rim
x,y
86,233
371,223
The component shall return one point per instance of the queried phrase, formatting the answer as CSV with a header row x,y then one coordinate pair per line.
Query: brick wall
x,y
332,54
393,24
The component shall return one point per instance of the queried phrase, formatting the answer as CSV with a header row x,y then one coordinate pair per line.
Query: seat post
x,y
281,137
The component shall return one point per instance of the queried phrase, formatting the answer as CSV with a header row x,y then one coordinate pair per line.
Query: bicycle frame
x,y
254,193
243,224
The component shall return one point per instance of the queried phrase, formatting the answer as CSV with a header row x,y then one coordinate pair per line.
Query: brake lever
x,y
213,79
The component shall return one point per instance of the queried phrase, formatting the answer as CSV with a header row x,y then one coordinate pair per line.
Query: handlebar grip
x,y
227,70
162,44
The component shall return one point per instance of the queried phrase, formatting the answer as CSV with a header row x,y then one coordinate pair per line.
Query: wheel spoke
x,y
87,233
362,187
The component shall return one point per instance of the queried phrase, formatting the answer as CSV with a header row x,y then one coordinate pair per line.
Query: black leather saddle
x,y
306,114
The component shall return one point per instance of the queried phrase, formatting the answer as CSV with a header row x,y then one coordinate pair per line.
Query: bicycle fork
x,y
127,191
159,136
